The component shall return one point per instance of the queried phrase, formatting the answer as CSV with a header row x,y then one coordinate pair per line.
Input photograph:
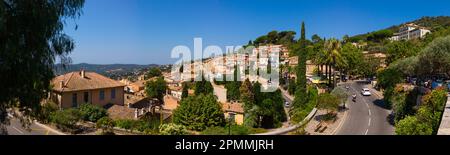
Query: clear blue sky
x,y
145,31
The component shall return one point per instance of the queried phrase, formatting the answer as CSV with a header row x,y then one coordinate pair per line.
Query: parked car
x,y
366,92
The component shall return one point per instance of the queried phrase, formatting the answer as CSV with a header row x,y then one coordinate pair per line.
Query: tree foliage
x,y
199,112
203,87
172,129
31,38
328,102
90,112
156,88
153,72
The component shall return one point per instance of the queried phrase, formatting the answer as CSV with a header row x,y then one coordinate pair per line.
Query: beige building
x,y
75,88
234,110
410,31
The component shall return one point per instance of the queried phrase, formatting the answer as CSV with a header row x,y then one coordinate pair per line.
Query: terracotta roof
x,y
233,107
117,112
140,83
74,82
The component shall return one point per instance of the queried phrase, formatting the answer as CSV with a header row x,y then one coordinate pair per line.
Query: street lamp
x,y
230,118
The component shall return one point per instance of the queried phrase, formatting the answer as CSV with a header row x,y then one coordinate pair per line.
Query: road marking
x,y
370,119
17,130
367,131
370,113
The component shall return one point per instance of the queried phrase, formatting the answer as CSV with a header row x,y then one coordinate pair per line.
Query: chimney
x,y
61,84
82,73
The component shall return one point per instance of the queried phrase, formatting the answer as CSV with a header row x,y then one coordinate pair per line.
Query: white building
x,y
410,31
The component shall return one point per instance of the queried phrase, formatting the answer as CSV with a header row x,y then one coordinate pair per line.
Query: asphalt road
x,y
366,116
15,128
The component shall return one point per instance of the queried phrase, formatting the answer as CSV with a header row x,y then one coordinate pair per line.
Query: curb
x,y
48,128
340,123
291,128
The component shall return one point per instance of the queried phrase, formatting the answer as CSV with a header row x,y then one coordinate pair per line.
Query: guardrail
x,y
291,128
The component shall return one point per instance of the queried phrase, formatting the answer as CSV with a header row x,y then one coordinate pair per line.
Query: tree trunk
x,y
329,74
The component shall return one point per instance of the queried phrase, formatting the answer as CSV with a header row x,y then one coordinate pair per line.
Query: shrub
x,y
66,119
106,124
45,112
90,112
199,112
124,124
412,126
235,130
136,125
172,129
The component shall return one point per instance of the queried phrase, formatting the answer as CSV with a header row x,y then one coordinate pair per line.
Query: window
x,y
74,99
102,95
86,97
113,93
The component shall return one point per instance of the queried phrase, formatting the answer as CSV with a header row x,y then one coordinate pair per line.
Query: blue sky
x,y
145,31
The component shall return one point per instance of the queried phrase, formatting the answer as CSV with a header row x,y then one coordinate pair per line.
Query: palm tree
x,y
333,56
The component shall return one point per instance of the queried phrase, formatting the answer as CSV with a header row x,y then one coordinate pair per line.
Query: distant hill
x,y
433,23
110,70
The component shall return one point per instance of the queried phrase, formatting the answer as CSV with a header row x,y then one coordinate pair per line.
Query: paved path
x,y
444,128
367,116
16,128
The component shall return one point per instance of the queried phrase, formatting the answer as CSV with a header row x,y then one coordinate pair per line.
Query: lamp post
x,y
230,118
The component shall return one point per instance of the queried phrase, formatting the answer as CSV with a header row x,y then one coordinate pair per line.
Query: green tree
x,y
185,91
153,72
341,93
333,56
352,56
328,102
435,58
32,36
156,88
412,126
203,87
199,112
400,49
300,93
247,95
232,87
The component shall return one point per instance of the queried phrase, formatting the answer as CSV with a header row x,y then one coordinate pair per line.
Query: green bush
x,y
66,119
172,129
136,125
106,124
235,130
124,124
45,112
90,112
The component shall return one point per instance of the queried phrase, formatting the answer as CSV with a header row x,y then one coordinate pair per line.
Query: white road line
x,y
367,131
370,119
17,130
370,114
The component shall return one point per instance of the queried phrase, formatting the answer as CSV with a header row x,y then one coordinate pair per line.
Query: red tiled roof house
x,y
75,88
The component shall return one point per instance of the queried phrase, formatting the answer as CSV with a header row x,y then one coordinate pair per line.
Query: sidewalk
x,y
444,128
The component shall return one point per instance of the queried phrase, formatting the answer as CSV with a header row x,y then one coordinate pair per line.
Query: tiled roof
x,y
74,82
233,107
117,112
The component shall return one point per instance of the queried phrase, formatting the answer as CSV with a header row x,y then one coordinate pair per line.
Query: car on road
x,y
366,92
